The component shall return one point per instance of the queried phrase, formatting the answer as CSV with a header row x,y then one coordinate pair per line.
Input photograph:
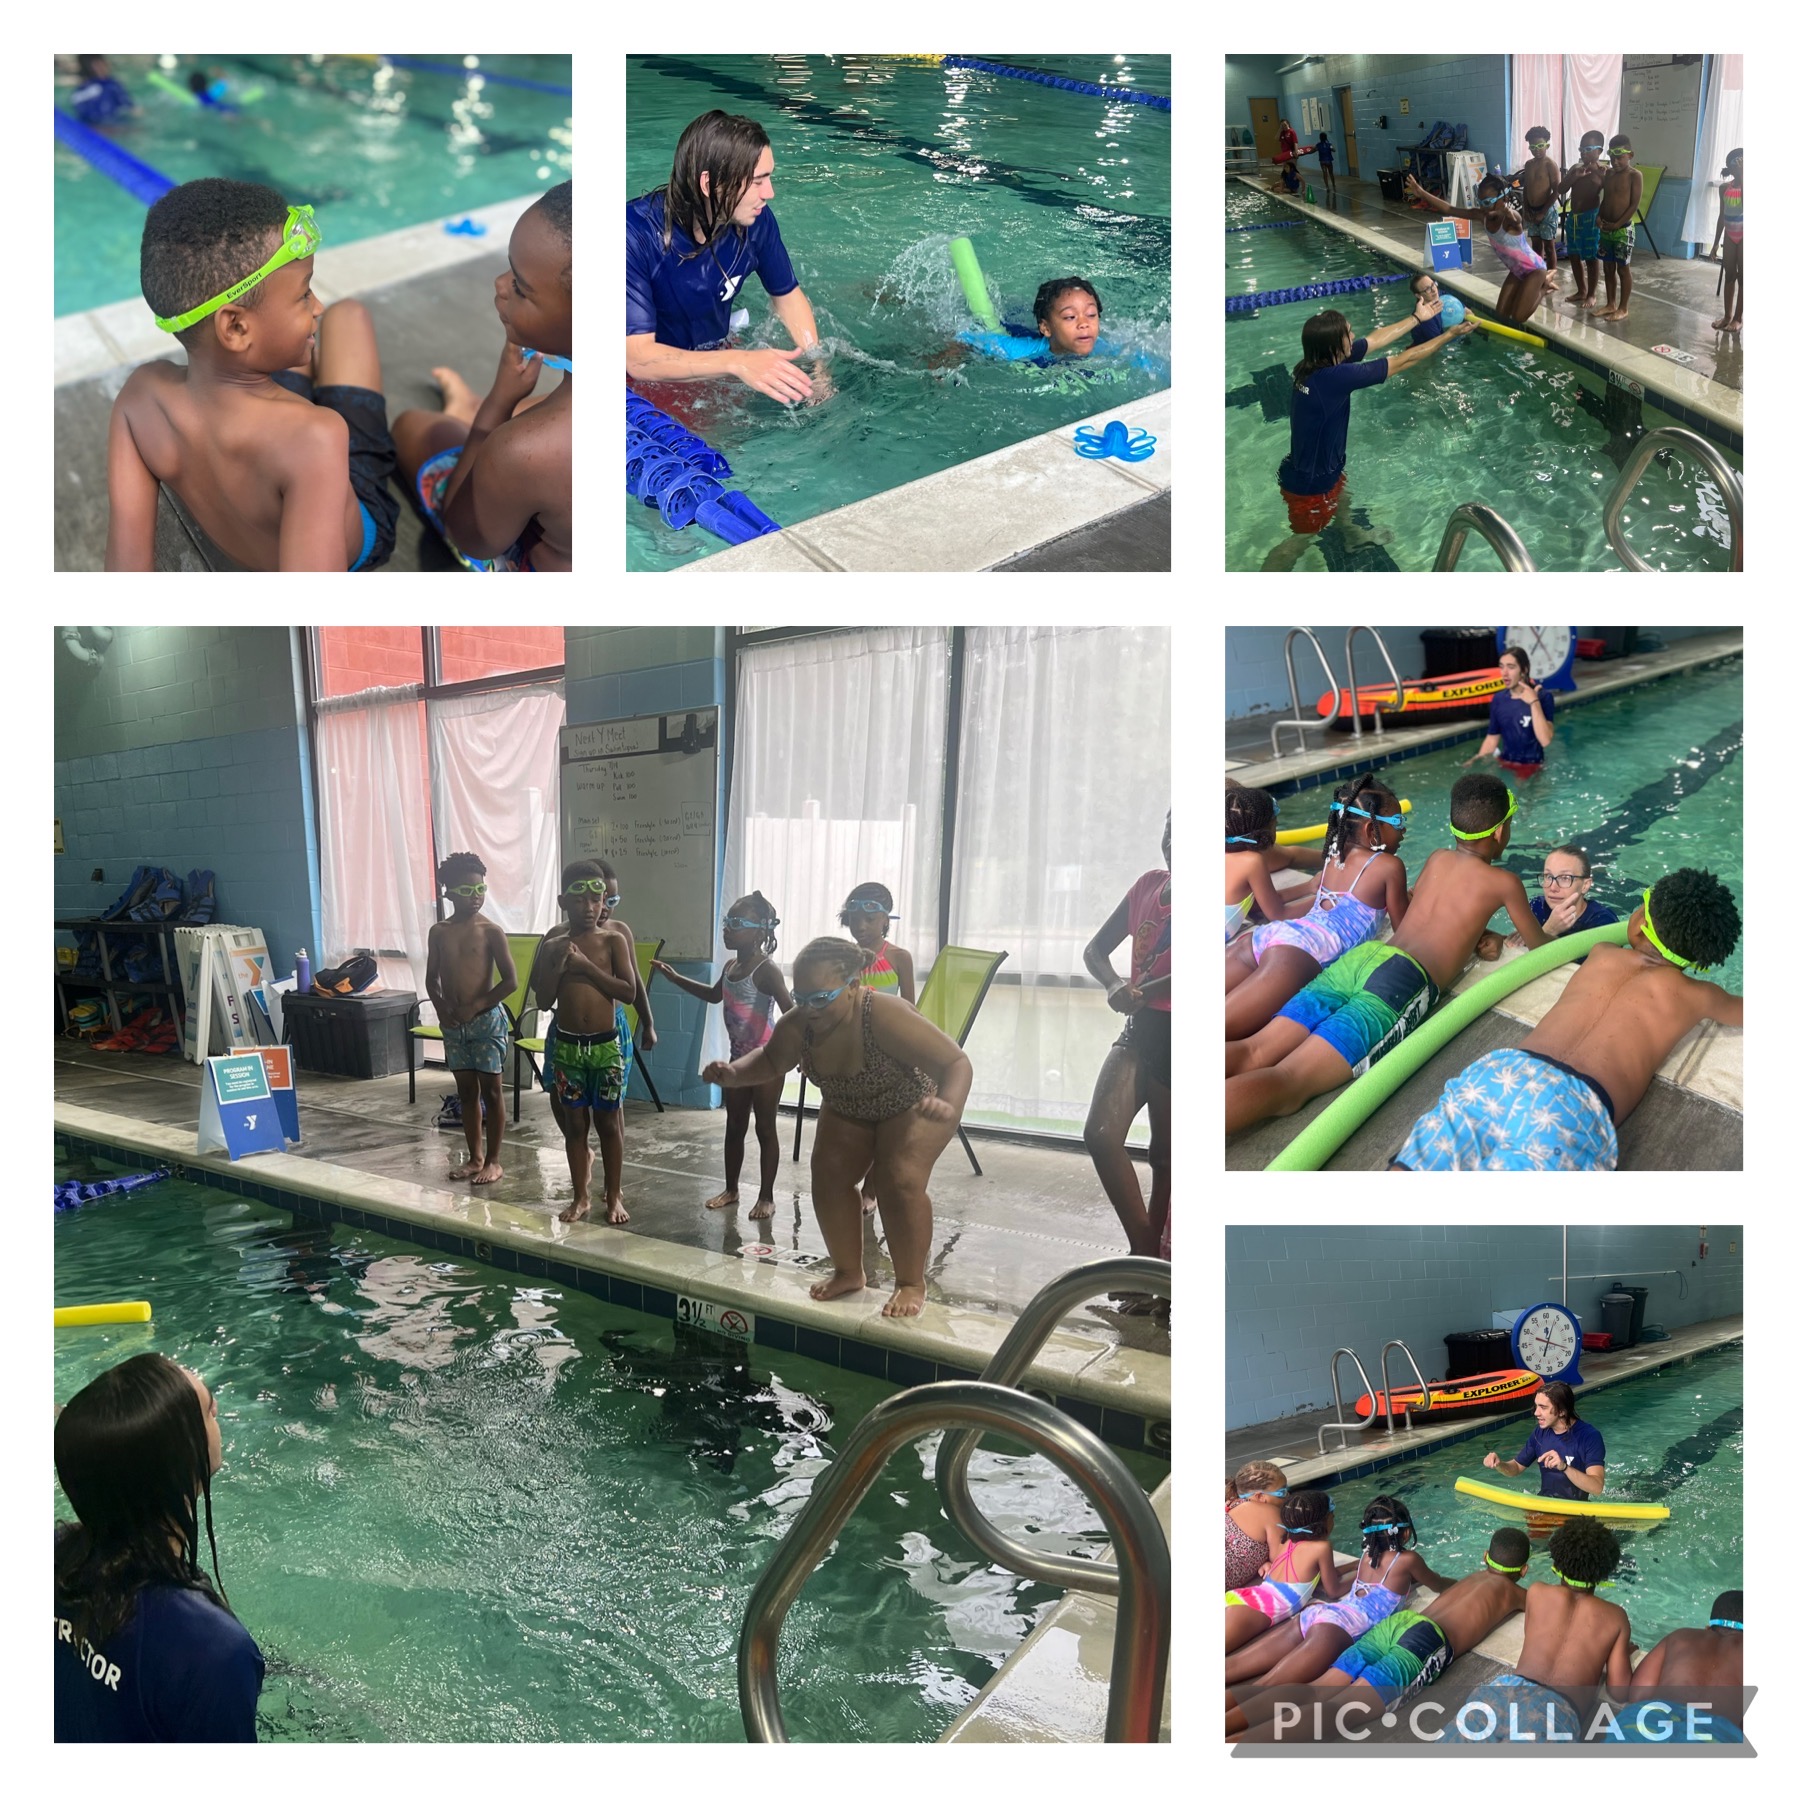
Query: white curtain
x,y
1065,778
376,878
837,778
1568,94
493,791
1721,132
1537,99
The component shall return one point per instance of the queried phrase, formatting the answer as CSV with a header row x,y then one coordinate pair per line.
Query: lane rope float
x,y
1314,290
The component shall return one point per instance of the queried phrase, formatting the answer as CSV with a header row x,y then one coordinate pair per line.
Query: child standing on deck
x,y
589,976
1328,165
1583,184
468,974
1618,227
749,986
1731,225
867,913
1541,181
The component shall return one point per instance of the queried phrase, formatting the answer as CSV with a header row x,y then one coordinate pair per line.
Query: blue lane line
x,y
138,179
441,68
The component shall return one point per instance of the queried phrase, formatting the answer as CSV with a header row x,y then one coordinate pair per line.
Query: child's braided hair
x,y
1372,796
1249,813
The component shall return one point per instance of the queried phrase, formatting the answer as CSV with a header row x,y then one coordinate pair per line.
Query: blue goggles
x,y
733,923
870,906
819,997
1397,820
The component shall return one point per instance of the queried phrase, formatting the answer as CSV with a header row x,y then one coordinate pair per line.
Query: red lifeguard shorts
x,y
1524,771
1313,512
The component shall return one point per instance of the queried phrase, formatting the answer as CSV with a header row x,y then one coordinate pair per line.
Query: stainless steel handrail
x,y
1337,1399
1004,1369
1387,1386
1501,537
1302,725
1350,676
1730,485
1140,1664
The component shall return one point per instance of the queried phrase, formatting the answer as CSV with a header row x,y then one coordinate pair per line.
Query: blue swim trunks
x,y
1404,1653
1586,234
1669,1722
1510,1110
481,1044
1509,1707
1364,1004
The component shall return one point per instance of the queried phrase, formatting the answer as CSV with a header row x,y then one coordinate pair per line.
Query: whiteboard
x,y
644,794
1660,112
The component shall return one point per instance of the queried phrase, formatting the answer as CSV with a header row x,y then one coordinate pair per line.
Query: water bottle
x,y
302,973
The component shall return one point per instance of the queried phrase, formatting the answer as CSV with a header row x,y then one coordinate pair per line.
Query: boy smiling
x,y
280,473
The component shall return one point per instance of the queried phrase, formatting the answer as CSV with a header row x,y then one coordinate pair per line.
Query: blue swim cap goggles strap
x,y
1729,1624
1397,820
1250,840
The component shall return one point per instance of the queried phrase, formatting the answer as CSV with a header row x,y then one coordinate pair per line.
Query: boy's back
x,y
1469,1610
1693,1657
1454,898
1574,1640
536,452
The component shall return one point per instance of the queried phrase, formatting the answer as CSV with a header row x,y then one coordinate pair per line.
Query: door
x,y
1265,124
1349,114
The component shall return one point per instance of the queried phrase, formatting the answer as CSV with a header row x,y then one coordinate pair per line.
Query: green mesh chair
x,y
951,998
530,1049
523,945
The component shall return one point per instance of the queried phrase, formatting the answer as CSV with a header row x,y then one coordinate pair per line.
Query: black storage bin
x,y
1393,183
1451,649
1639,1299
1620,640
1615,1317
1478,1353
362,1036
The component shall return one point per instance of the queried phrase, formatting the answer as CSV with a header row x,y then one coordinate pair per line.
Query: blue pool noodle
x,y
1134,95
1317,290
138,179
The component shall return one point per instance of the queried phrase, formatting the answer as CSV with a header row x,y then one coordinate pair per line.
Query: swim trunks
x,y
372,458
1587,234
1670,1722
1404,1653
1509,1707
1273,1599
1510,1109
1617,246
1524,771
480,1044
1147,1037
585,1070
1364,1004
1308,513
433,479
1545,228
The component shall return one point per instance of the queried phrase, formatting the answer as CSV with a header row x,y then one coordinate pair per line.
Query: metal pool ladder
x,y
1730,485
1140,1577
1350,673
1300,723
1505,542
1341,1425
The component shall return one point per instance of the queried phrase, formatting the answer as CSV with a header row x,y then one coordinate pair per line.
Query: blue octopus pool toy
x,y
1118,439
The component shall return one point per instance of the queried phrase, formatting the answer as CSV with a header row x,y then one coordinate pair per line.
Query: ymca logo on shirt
x,y
730,286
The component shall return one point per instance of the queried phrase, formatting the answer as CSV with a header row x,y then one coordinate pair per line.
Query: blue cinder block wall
x,y
620,672
184,748
1294,1293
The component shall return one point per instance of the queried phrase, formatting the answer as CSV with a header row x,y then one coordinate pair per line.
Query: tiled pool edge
x,y
1123,1395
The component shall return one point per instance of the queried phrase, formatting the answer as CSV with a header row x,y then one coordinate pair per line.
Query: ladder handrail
x,y
1015,1355
1337,1398
1303,725
1730,485
1502,539
1350,673
1140,1663
1387,1386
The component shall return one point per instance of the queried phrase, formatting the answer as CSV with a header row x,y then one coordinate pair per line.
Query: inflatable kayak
x,y
1500,1390
1439,693
1621,1515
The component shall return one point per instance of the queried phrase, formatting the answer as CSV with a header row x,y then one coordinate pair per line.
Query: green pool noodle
x,y
974,287
1335,1124
157,78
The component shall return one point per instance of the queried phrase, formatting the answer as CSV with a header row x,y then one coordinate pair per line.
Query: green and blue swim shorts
x,y
587,1070
1404,1653
1364,1003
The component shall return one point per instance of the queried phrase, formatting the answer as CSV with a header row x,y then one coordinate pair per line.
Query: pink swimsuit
x,y
1515,252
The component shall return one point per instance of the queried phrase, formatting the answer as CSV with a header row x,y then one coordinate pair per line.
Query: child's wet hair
x,y
757,905
1345,829
1249,813
1509,1548
1729,1605
204,237
1305,1514
1694,914
1321,343
866,890
459,868
1053,291
1584,1551
1253,1478
1478,802
589,868
845,959
1386,1526
558,209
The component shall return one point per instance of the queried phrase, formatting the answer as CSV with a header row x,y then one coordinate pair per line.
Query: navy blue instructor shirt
x,y
684,294
1320,417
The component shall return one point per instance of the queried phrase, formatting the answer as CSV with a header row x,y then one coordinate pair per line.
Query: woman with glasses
x,y
891,1087
1564,906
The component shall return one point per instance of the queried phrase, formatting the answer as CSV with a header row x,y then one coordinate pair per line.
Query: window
x,y
474,652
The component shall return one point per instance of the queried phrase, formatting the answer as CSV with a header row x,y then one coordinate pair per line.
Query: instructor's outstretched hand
x,y
772,372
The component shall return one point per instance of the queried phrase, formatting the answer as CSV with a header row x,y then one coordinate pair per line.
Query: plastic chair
x,y
523,945
951,998
533,1047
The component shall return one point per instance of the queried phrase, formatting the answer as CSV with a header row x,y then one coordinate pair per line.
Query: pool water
x,y
371,148
459,1506
878,165
1646,780
1485,419
1675,1439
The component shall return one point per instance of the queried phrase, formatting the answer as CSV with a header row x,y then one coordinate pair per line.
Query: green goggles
x,y
594,887
473,891
1512,806
299,239
1663,950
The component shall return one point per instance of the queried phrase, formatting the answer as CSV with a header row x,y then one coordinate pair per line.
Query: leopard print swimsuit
x,y
883,1088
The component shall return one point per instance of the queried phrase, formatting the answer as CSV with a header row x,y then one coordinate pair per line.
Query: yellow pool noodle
x,y
1524,337
1310,834
117,1312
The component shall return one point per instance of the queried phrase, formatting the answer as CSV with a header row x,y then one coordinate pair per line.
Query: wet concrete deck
x,y
1138,540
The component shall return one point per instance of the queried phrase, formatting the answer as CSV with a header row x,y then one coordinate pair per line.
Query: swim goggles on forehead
x,y
1512,806
1663,950
870,906
593,885
472,891
299,239
819,997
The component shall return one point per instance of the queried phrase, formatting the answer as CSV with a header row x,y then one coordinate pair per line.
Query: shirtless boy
x,y
1583,184
1618,229
493,474
1353,1014
468,974
274,434
1555,1101
1541,180
1694,1668
586,974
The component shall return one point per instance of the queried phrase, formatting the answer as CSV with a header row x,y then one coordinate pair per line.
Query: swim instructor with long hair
x,y
691,244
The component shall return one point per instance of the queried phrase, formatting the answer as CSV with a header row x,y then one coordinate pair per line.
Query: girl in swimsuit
x,y
1305,1563
867,913
1267,967
1526,273
1253,1532
891,1087
1252,857
749,987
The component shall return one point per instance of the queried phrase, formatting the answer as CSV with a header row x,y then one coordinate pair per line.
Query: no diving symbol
x,y
735,1323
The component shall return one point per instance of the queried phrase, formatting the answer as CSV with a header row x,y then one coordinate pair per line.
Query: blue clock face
x,y
1547,1341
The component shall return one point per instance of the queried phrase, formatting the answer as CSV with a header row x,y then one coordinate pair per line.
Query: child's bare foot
x,y
835,1284
1591,303
575,1212
615,1211
460,400
728,1197
763,1209
463,1171
1721,324
489,1171
1735,325
906,1301
1618,315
